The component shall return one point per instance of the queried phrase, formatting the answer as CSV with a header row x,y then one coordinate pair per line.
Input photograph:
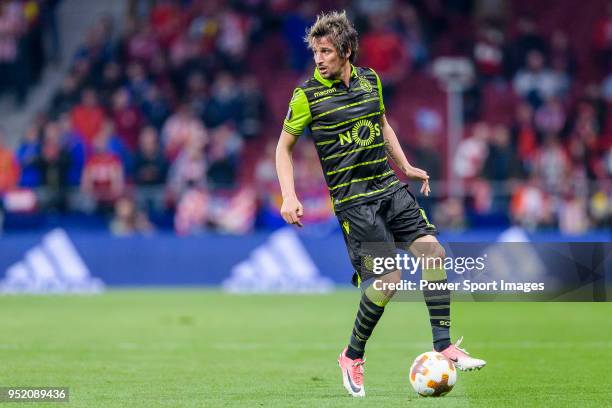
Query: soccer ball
x,y
432,375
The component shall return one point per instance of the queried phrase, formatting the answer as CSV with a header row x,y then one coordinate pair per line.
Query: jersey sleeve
x,y
298,116
379,86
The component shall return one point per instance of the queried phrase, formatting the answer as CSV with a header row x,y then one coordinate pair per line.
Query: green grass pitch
x,y
196,348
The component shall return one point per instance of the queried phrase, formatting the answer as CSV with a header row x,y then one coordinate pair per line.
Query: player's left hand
x,y
420,174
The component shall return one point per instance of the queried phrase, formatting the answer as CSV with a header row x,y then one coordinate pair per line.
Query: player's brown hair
x,y
340,31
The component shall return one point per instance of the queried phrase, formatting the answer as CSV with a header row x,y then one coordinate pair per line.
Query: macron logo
x,y
281,264
326,92
54,266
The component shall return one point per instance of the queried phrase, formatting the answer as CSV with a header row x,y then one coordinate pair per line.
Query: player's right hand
x,y
292,211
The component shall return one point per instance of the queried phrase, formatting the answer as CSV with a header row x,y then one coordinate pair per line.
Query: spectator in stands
x,y
593,149
192,212
9,167
110,81
295,23
127,119
166,20
578,156
586,130
196,94
527,39
154,107
265,170
66,97
479,197
88,117
383,50
593,95
425,154
82,72
537,83
186,54
150,165
137,82
142,46
501,163
54,164
551,163
180,128
75,146
159,70
586,121
189,169
28,153
115,145
410,29
472,151
223,156
573,217
98,47
252,107
524,137
562,58
103,176
232,39
550,117
224,103
128,220
488,52
531,206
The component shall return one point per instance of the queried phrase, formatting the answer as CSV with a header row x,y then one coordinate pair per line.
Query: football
x,y
432,374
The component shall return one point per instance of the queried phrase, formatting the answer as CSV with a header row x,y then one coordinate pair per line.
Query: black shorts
x,y
378,228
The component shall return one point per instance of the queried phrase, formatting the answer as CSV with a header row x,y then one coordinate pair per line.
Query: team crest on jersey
x,y
367,261
365,84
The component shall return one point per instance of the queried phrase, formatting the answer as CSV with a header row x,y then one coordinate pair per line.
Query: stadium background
x,y
137,149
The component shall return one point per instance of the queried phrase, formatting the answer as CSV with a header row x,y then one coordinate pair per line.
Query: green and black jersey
x,y
345,123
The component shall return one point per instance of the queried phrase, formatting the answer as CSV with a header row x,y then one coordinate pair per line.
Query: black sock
x,y
367,316
438,305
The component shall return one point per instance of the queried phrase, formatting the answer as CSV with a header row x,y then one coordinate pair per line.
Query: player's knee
x,y
434,269
392,280
392,277
384,287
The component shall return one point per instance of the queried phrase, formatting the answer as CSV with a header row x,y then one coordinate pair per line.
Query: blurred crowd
x,y
156,114
166,122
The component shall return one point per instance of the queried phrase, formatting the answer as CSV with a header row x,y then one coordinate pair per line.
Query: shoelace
x,y
358,371
458,343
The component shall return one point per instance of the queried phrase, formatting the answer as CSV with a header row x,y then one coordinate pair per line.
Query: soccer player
x,y
342,107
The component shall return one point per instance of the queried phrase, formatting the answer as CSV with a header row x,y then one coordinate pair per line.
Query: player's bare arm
x,y
395,152
291,209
